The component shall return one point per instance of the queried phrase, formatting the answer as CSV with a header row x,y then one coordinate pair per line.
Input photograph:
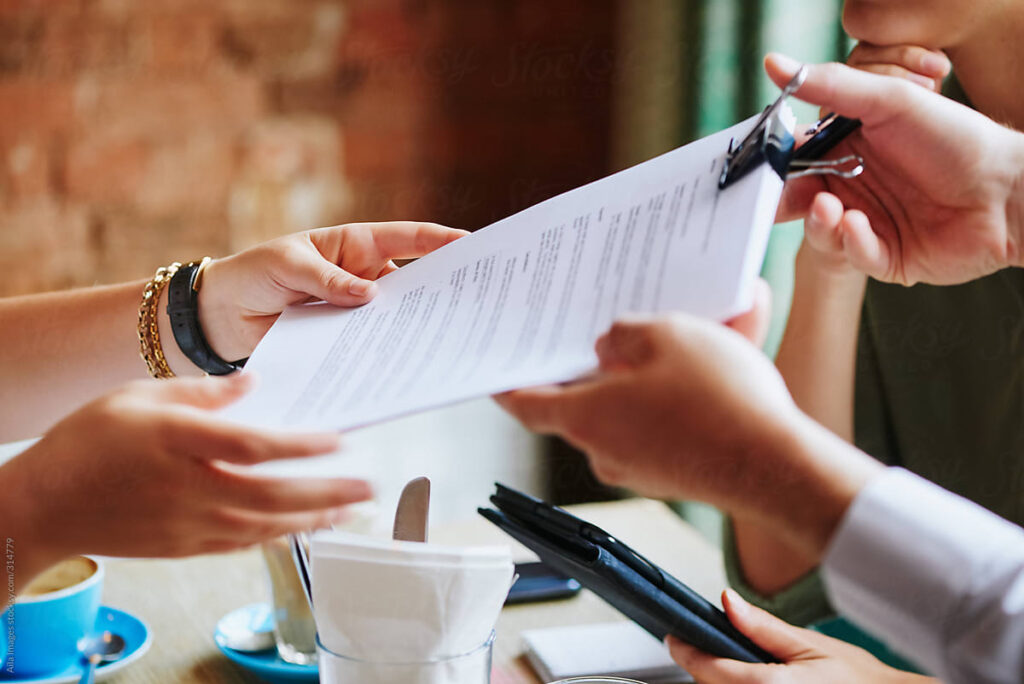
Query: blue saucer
x,y
267,665
137,641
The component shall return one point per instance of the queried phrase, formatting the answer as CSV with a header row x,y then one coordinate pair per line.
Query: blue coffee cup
x,y
41,630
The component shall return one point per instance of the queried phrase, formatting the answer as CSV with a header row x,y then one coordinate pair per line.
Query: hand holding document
x,y
522,301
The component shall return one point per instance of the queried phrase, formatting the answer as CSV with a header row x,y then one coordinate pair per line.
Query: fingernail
x,y
934,64
735,601
785,63
817,212
924,81
360,288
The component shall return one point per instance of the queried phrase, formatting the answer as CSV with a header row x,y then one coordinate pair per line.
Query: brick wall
x,y
135,132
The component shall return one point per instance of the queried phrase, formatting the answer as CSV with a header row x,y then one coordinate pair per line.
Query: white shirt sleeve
x,y
936,576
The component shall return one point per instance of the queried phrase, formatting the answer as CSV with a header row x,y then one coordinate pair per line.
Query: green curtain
x,y
725,43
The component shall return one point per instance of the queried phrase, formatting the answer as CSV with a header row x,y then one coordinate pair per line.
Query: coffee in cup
x,y
49,616
65,574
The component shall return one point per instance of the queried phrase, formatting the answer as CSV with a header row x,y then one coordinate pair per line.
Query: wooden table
x,y
182,600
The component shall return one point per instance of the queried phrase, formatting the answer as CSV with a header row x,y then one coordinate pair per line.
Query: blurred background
x,y
134,133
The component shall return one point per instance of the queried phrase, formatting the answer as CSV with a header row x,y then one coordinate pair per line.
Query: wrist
x,y
812,479
217,314
214,323
179,364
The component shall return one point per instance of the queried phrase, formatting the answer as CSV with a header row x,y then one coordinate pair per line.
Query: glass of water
x,y
294,629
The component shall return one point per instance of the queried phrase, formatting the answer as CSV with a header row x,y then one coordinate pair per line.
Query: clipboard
x,y
639,589
771,142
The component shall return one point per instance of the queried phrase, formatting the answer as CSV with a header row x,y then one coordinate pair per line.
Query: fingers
x,y
894,71
308,271
363,248
285,495
847,235
207,438
411,239
538,409
754,324
375,243
917,64
709,669
797,196
244,528
781,639
864,249
207,393
845,90
822,227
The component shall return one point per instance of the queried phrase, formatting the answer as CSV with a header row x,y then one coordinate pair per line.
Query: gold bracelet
x,y
149,333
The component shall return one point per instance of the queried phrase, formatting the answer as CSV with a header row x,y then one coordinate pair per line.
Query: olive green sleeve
x,y
802,603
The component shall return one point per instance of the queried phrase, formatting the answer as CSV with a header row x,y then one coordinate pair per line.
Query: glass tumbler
x,y
469,668
294,629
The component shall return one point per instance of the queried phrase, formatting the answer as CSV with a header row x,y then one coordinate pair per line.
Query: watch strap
x,y
183,310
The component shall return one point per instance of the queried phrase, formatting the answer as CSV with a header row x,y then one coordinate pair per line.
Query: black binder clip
x,y
771,142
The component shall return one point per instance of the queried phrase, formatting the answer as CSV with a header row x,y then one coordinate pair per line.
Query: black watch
x,y
183,310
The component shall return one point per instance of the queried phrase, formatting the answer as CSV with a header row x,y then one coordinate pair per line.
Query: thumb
x,y
842,89
754,324
208,393
629,343
309,272
781,639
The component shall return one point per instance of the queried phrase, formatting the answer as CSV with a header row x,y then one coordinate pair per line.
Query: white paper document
x,y
522,301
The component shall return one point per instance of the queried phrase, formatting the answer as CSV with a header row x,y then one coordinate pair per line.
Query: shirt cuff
x,y
905,560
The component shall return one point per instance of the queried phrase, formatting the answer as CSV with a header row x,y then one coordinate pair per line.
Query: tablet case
x,y
672,608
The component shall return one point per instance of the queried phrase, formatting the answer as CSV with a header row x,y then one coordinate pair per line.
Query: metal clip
x,y
741,158
769,141
799,168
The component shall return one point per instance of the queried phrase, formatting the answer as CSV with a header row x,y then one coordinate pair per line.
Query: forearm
x,y
60,350
809,479
817,359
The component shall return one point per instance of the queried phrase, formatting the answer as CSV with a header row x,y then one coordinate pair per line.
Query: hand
x,y
927,68
673,394
940,198
148,471
686,408
806,656
683,408
242,295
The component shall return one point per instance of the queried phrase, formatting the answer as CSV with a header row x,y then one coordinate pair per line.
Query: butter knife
x,y
413,511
